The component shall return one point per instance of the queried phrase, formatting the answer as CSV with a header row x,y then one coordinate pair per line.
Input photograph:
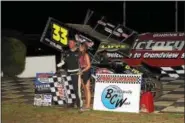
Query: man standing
x,y
71,63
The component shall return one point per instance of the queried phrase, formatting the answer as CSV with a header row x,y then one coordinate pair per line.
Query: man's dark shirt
x,y
71,60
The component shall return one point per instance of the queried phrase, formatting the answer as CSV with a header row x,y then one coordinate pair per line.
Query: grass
x,y
22,113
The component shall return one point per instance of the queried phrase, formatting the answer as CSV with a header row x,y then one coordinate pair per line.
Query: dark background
x,y
31,17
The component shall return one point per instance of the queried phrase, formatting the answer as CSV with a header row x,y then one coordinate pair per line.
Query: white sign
x,y
117,92
42,99
38,64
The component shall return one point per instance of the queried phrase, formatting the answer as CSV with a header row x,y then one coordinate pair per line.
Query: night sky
x,y
31,17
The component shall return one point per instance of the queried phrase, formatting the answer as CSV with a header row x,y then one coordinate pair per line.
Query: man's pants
x,y
77,89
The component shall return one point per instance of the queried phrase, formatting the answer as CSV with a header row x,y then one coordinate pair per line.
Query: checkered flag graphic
x,y
174,72
62,90
118,78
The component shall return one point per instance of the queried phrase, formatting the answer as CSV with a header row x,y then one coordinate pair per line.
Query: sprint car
x,y
57,34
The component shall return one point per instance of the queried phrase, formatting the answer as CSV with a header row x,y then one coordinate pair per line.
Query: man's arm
x,y
63,60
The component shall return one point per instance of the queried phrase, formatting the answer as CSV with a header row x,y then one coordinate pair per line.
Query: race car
x,y
57,34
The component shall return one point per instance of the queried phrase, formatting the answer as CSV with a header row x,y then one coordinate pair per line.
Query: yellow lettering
x,y
60,37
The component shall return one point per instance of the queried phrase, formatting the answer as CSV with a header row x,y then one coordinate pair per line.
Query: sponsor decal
x,y
53,44
42,87
131,70
103,71
114,55
42,99
81,39
113,97
42,83
61,90
112,29
118,79
43,78
48,97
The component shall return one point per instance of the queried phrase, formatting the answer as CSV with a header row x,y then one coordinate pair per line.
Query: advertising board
x,y
35,65
43,100
117,92
158,49
42,82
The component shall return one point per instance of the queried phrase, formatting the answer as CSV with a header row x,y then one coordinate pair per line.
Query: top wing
x,y
108,32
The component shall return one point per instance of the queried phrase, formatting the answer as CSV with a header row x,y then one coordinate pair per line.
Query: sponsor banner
x,y
158,49
42,99
42,82
117,92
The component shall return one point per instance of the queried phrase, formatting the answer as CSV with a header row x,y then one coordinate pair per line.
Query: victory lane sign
x,y
117,92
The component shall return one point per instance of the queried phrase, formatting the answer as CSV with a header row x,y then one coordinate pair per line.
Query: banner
x,y
43,99
158,49
42,83
43,96
62,90
117,92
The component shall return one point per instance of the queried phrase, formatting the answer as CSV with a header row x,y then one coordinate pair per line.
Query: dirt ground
x,y
22,113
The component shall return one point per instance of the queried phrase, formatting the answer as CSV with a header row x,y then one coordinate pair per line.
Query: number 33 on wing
x,y
59,34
